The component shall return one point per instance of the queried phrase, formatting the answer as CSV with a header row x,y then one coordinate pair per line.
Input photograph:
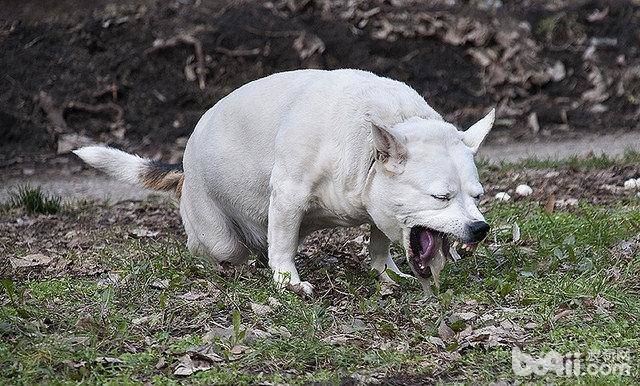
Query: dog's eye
x,y
441,197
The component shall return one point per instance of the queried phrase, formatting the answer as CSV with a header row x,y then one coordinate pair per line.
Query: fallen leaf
x,y
160,284
260,309
280,331
75,364
198,359
239,349
516,232
505,334
561,314
273,302
436,341
386,288
34,260
551,204
111,279
192,296
162,363
109,360
143,232
445,332
466,316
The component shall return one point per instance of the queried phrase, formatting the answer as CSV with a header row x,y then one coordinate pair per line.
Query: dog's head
x,y
424,187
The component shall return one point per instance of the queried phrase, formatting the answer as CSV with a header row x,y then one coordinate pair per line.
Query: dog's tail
x,y
132,168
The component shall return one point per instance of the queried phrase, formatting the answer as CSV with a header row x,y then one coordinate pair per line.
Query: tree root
x,y
186,38
117,111
54,114
66,140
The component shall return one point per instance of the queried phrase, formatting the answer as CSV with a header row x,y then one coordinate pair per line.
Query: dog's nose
x,y
478,230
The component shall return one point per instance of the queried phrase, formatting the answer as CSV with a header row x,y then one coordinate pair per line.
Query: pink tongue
x,y
426,244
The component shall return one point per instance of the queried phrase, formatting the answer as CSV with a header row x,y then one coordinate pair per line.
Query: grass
x,y
34,200
570,279
576,163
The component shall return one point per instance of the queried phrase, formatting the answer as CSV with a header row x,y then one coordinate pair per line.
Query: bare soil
x,y
554,69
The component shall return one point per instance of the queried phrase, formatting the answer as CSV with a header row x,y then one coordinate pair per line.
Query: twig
x,y
238,52
271,34
112,88
186,38
117,111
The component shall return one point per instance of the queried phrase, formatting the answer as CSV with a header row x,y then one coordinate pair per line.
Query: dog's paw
x,y
284,281
303,288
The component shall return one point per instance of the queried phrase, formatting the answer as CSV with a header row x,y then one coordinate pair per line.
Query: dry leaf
x,y
143,232
198,359
466,316
279,331
260,309
162,363
160,284
505,334
445,332
516,232
239,349
273,302
561,314
34,260
109,360
192,296
551,204
436,341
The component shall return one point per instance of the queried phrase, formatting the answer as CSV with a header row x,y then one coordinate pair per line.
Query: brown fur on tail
x,y
161,176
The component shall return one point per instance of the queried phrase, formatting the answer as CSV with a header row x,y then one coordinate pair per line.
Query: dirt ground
x,y
556,69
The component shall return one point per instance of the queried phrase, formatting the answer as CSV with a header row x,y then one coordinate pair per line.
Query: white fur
x,y
474,136
123,166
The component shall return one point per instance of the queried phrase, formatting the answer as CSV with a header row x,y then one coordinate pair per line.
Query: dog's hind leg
x,y
381,259
210,233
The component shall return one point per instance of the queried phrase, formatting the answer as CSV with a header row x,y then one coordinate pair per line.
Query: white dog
x,y
303,150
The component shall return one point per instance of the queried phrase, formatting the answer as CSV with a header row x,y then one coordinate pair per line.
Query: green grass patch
x,y
572,277
580,163
34,200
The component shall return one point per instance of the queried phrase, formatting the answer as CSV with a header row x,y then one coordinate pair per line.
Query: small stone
x,y
503,196
631,184
524,190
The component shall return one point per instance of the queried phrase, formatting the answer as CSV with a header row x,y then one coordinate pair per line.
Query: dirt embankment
x,y
555,69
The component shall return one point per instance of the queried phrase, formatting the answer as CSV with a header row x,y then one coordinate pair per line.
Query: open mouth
x,y
426,243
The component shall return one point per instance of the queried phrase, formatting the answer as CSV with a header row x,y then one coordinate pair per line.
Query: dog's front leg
x,y
286,208
380,257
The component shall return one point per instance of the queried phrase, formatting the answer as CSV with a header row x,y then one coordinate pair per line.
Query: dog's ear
x,y
474,135
390,149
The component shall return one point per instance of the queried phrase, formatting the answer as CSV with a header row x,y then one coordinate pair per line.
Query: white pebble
x,y
524,190
631,184
503,196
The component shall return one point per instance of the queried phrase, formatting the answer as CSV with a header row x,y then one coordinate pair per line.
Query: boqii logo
x,y
594,362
